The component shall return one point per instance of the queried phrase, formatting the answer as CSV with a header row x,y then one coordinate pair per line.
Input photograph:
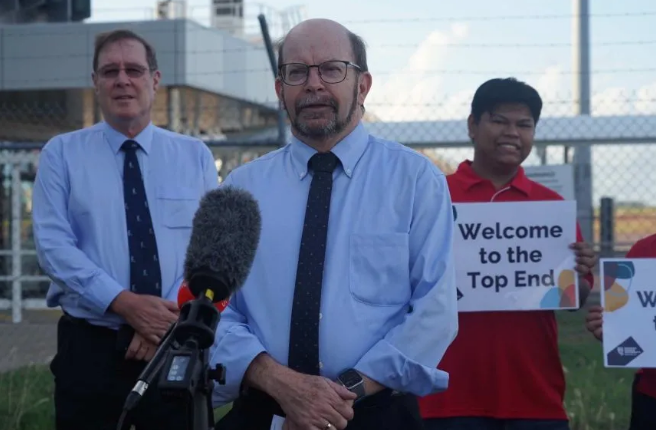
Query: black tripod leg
x,y
210,411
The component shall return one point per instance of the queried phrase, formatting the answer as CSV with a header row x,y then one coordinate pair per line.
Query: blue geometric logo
x,y
624,353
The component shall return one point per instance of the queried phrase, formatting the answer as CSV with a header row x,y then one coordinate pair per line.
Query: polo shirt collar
x,y
116,138
468,176
349,151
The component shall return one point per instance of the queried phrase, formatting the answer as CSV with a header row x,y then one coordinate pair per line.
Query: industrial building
x,y
216,80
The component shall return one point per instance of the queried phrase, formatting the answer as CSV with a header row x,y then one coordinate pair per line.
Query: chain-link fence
x,y
620,169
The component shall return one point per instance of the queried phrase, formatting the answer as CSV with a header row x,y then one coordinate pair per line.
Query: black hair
x,y
505,90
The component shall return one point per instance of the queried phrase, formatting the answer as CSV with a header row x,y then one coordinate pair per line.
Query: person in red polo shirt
x,y
504,367
643,392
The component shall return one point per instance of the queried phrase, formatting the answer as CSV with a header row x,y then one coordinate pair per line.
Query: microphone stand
x,y
185,374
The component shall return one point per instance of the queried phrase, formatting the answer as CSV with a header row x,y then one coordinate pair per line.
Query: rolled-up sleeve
x,y
406,358
55,242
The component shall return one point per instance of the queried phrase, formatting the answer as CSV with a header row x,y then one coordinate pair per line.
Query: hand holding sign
x,y
585,258
629,319
517,256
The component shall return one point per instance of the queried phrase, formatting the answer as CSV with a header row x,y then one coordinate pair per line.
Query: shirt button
x,y
320,315
320,365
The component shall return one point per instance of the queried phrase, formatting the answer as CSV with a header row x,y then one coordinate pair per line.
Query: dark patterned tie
x,y
304,330
145,272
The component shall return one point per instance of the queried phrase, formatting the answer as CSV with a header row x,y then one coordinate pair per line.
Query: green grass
x,y
26,400
597,398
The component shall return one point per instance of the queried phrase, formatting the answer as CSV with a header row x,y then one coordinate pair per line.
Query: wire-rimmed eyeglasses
x,y
112,72
331,72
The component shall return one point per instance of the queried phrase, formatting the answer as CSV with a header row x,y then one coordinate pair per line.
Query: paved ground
x,y
32,341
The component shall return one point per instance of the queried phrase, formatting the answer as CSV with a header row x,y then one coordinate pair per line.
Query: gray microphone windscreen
x,y
224,238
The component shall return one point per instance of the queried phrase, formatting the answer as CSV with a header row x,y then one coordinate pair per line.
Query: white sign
x,y
558,177
629,301
515,256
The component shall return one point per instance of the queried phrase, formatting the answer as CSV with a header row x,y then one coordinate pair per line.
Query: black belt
x,y
123,335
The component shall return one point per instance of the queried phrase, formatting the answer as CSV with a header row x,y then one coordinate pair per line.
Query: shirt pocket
x,y
379,273
178,205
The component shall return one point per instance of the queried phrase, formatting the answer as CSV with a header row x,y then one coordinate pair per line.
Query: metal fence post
x,y
606,230
16,257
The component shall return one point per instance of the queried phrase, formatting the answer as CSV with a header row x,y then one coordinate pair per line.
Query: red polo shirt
x,y
645,248
501,364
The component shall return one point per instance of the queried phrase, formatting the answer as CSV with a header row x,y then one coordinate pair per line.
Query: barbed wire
x,y
9,82
632,14
261,48
249,24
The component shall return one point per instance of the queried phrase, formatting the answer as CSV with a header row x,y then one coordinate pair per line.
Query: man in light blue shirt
x,y
352,338
113,206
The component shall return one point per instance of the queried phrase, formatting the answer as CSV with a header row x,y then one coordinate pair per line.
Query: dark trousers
x,y
643,407
476,423
381,411
93,379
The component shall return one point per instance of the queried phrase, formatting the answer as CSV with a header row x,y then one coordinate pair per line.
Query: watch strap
x,y
358,388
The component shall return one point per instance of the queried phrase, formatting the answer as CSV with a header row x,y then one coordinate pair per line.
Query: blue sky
x,y
417,41
428,57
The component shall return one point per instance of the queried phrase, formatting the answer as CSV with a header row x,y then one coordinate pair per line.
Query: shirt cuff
x,y
389,367
235,351
100,293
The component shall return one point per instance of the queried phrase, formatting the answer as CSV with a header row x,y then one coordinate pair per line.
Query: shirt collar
x,y
116,138
349,151
468,176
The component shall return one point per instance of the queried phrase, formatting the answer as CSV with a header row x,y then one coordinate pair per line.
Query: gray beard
x,y
332,128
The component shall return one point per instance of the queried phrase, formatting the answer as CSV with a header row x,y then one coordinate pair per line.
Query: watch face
x,y
350,378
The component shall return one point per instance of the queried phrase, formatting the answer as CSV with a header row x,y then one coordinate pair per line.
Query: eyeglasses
x,y
112,72
331,72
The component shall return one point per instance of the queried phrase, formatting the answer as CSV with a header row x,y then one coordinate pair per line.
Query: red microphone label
x,y
184,296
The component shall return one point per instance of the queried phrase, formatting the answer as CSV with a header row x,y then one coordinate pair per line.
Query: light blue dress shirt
x,y
78,213
389,306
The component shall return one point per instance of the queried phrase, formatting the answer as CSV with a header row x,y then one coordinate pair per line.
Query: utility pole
x,y
582,151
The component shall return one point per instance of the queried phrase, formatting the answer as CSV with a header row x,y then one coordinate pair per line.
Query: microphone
x,y
224,239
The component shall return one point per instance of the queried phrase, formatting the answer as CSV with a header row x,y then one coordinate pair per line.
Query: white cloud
x,y
645,103
611,101
555,101
411,93
460,30
621,101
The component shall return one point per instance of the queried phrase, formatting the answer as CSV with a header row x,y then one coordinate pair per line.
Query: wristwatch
x,y
353,382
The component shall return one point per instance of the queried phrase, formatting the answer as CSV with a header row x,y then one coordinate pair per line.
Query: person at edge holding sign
x,y
504,367
643,393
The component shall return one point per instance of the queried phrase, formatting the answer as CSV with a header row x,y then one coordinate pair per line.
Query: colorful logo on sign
x,y
565,295
618,278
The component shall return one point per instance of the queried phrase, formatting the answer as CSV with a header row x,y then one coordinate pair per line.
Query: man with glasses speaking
x,y
351,302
